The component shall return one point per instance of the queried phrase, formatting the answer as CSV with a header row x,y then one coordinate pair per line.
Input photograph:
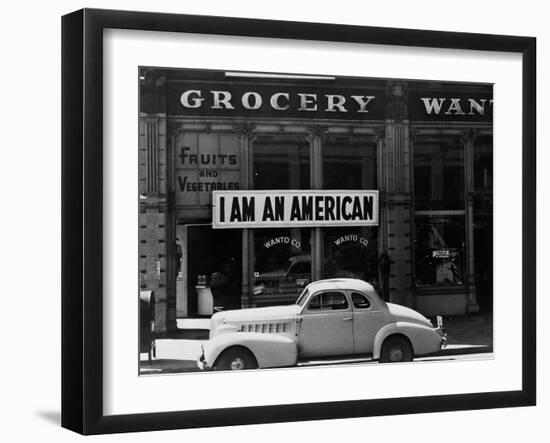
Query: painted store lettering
x,y
184,185
279,101
205,159
351,238
282,240
453,106
208,173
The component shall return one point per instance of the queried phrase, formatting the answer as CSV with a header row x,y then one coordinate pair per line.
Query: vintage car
x,y
335,317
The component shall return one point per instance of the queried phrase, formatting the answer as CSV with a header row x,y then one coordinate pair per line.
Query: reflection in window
x,y
280,162
440,250
438,173
351,253
282,261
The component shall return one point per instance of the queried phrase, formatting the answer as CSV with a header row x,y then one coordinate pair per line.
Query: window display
x,y
440,248
440,211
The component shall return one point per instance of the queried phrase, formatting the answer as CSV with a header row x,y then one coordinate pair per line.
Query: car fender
x,y
424,339
270,350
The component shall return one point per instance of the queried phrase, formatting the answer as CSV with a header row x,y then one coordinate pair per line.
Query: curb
x,y
463,350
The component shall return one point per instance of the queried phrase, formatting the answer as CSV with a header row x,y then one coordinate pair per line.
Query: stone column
x,y
152,214
176,283
317,135
397,173
170,229
246,133
468,140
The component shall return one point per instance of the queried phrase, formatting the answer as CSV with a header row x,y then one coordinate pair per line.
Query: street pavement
x,y
469,337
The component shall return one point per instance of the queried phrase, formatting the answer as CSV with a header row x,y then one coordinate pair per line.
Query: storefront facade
x,y
410,161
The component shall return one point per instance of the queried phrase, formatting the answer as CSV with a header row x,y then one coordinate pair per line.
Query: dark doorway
x,y
214,259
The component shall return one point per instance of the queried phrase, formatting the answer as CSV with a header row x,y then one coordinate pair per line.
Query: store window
x,y
282,261
282,257
280,162
351,253
439,173
439,211
350,162
440,250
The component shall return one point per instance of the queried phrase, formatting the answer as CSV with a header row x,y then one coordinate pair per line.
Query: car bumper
x,y
443,337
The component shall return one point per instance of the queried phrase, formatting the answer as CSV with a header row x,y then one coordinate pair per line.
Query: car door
x,y
326,327
368,318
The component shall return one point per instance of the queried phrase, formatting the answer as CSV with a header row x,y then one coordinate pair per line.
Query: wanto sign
x,y
294,208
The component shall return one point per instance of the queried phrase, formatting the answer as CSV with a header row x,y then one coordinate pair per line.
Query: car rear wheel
x,y
236,359
396,349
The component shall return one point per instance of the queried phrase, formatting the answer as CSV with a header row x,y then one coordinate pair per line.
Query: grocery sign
x,y
294,208
243,100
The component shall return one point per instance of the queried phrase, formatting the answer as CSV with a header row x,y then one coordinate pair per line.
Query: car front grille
x,y
266,328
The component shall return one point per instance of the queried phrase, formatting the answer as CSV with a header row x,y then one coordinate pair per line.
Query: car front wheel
x,y
396,349
236,359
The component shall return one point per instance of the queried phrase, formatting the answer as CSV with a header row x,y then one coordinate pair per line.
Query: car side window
x,y
360,301
314,303
328,301
332,301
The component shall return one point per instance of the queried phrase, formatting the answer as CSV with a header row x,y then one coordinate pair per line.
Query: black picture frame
x,y
82,215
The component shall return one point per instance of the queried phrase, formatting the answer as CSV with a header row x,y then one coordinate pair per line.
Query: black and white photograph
x,y
275,222
294,220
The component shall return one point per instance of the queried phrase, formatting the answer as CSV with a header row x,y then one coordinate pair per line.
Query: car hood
x,y
402,313
257,314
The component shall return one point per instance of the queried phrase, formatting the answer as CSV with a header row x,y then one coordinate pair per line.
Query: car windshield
x,y
302,298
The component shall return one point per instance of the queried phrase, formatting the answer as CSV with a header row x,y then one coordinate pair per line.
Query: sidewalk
x,y
192,329
469,334
179,352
